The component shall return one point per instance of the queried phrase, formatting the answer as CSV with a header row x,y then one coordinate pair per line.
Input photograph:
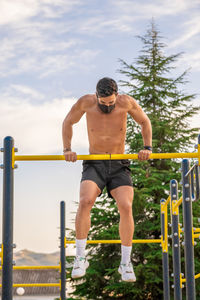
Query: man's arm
x,y
72,117
142,119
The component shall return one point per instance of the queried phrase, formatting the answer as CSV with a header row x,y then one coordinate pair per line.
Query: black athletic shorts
x,y
107,173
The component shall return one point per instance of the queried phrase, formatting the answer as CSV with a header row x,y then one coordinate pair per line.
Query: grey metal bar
x,y
197,182
192,185
62,251
175,241
188,227
7,268
165,258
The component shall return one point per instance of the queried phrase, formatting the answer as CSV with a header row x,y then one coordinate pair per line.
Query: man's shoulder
x,y
87,100
125,100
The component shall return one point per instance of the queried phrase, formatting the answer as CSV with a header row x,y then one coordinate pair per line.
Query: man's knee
x,y
125,207
86,202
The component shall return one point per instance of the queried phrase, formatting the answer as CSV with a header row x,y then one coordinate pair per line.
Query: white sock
x,y
80,247
126,254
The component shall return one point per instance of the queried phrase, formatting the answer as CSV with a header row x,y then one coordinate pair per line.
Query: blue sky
x,y
54,51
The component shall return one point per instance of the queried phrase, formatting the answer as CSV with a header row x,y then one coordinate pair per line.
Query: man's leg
x,y
123,196
89,191
88,194
124,199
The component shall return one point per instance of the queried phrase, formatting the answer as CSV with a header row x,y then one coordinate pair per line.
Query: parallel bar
x,y
118,241
36,268
36,285
62,251
178,203
188,232
7,275
165,255
197,276
198,148
197,181
167,201
196,235
175,240
105,156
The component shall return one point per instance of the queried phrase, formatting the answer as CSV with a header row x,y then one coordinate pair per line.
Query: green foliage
x,y
169,110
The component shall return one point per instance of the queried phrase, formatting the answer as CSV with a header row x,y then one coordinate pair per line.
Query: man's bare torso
x,y
106,132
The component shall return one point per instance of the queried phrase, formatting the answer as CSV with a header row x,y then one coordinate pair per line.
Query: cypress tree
x,y
169,109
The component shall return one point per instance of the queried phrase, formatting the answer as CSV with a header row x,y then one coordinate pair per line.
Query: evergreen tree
x,y
169,110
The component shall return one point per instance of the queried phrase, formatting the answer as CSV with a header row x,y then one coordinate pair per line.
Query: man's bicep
x,y
137,113
75,113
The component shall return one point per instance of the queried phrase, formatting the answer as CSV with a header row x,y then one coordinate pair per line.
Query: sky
x,y
53,52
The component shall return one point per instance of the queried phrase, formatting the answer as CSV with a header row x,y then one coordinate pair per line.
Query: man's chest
x,y
106,123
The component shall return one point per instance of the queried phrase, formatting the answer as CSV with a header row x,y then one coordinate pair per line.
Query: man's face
x,y
107,104
109,100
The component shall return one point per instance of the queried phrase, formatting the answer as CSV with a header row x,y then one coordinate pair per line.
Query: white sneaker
x,y
126,270
80,266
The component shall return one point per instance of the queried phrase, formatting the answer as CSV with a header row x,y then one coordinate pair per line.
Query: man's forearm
x,y
67,133
147,133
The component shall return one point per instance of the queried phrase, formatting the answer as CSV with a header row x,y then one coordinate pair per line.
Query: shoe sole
x,y
79,276
128,280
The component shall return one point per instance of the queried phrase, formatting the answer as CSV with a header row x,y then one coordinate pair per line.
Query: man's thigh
x,y
89,190
123,195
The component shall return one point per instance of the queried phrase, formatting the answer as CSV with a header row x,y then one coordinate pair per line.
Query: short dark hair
x,y
106,87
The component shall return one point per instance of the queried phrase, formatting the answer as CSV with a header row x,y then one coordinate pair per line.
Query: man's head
x,y
106,91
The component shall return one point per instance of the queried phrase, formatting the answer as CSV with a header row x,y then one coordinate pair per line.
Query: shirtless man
x,y
106,114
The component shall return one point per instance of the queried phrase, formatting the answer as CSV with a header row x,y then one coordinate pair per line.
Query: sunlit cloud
x,y
38,128
18,11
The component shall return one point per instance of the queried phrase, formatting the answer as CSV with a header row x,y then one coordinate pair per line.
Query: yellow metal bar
x,y
168,201
196,235
196,229
1,255
181,280
105,156
166,230
36,284
184,279
199,153
178,203
164,242
36,268
192,236
13,157
118,241
175,210
197,276
179,230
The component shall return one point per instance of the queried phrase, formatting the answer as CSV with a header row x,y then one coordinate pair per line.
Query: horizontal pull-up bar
x,y
35,285
35,268
105,156
146,241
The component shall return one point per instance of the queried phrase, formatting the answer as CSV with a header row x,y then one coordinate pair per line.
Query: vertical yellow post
x,y
1,255
198,147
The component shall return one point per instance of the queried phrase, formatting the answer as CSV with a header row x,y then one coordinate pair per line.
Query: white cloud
x,y
191,29
37,128
27,91
41,52
191,59
18,11
158,8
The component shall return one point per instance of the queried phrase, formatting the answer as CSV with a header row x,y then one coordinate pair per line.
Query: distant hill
x,y
30,258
